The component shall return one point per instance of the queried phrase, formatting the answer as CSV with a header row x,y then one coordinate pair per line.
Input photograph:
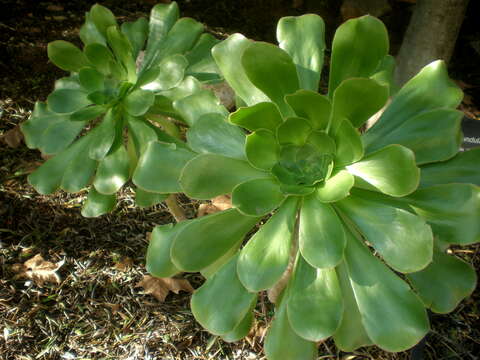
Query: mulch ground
x,y
96,311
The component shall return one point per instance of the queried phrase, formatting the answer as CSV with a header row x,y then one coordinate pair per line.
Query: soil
x,y
97,312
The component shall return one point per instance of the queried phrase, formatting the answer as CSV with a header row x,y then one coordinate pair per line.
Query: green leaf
x,y
146,199
159,168
312,106
432,136
349,144
79,172
210,175
200,60
138,102
123,51
48,131
394,317
91,79
336,188
103,18
351,333
384,73
88,113
430,89
390,170
463,168
403,239
314,302
158,262
359,46
212,134
265,257
262,148
66,56
171,74
193,107
89,34
228,56
65,101
263,115
321,235
303,38
210,270
272,71
98,204
243,328
206,239
142,133
444,283
136,32
293,131
48,177
357,100
452,210
283,343
113,171
222,291
162,18
257,197
103,138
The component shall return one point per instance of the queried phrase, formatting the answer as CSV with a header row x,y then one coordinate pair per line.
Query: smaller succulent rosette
x,y
117,98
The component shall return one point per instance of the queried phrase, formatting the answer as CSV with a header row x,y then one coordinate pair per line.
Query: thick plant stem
x,y
431,35
277,289
175,209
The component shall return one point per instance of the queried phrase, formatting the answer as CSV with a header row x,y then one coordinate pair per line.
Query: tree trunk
x,y
431,35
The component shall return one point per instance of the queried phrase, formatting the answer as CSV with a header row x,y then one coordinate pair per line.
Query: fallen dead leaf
x,y
219,203
39,270
223,92
13,137
124,264
160,287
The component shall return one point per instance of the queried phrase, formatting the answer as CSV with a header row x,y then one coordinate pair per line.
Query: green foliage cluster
x,y
123,83
356,223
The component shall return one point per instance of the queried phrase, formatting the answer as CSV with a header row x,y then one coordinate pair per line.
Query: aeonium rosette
x,y
118,97
349,211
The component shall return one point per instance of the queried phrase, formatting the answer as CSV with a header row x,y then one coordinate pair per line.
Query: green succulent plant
x,y
120,87
363,219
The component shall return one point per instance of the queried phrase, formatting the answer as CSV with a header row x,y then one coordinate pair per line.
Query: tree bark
x,y
431,35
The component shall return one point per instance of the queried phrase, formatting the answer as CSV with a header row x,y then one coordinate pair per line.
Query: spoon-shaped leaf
x,y
403,239
393,315
321,236
391,170
204,240
272,71
113,171
222,291
66,56
98,204
314,303
303,38
265,257
264,115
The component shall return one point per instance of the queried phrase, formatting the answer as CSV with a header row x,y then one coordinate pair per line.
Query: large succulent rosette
x,y
364,219
121,86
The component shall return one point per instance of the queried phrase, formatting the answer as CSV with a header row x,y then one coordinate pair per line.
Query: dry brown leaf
x,y
219,203
160,287
39,270
13,137
124,264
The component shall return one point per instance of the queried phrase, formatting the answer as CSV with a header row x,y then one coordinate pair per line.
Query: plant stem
x,y
174,208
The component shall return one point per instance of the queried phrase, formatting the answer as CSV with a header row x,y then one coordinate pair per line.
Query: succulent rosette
x,y
121,86
363,219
